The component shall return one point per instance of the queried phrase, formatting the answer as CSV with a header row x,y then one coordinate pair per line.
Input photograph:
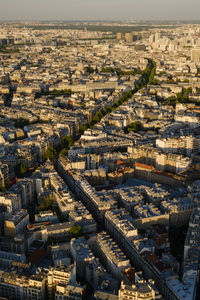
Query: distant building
x,y
119,36
195,55
128,37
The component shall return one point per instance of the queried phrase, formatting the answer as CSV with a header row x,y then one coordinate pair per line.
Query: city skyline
x,y
99,10
99,150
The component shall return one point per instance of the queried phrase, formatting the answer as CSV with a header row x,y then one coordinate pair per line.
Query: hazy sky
x,y
99,9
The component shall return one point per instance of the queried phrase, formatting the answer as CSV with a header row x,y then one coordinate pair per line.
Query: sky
x,y
68,10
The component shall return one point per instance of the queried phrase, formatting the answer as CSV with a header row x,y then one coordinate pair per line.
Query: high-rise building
x,y
129,37
119,36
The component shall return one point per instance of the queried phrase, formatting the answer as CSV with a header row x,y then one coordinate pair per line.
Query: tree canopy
x,y
67,141
64,152
50,153
76,231
135,127
22,168
47,203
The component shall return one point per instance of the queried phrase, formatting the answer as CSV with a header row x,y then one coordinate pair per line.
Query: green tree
x,y
67,141
47,203
50,153
64,152
76,231
95,119
60,92
186,81
2,189
108,70
135,127
109,109
22,168
82,128
89,70
20,123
